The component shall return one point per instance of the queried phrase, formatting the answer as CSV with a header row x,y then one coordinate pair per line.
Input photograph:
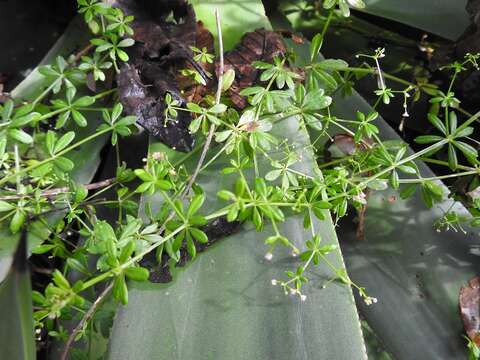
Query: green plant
x,y
269,185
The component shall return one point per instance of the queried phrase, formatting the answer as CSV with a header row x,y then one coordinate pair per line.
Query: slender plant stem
x,y
327,23
57,191
88,315
420,180
211,131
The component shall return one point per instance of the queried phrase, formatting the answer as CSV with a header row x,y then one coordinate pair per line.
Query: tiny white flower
x,y
370,300
268,256
360,197
293,291
294,254
274,282
303,298
157,155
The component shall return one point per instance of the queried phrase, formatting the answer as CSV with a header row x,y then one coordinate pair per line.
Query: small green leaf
x,y
378,184
315,46
137,273
50,140
5,206
60,280
199,235
217,109
228,78
120,290
437,123
452,157
63,163
79,118
427,139
332,64
64,141
20,135
273,175
195,204
84,101
126,42
163,184
468,150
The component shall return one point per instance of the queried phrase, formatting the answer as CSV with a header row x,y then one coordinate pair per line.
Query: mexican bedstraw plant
x,y
37,137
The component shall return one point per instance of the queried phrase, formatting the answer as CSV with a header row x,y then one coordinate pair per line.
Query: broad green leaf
x,y
17,341
442,17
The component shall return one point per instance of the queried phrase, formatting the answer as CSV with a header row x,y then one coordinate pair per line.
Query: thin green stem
x,y
327,23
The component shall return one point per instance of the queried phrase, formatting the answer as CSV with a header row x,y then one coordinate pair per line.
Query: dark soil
x,y
28,29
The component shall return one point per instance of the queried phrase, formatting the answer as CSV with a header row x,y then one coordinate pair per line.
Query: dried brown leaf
x,y
259,45
469,302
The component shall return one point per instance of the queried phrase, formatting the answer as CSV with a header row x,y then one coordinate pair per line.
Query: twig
x,y
88,315
211,131
62,190
17,165
360,233
82,52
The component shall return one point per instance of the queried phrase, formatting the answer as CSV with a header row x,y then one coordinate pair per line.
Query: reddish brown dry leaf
x,y
259,45
3,96
194,92
345,143
469,302
162,47
296,38
163,39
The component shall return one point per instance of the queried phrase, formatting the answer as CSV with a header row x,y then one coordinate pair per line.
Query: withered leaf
x,y
164,31
296,38
192,91
259,45
147,104
469,302
166,28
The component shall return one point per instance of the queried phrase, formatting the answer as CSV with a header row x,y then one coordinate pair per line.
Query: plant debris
x,y
191,90
259,45
469,302
164,31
